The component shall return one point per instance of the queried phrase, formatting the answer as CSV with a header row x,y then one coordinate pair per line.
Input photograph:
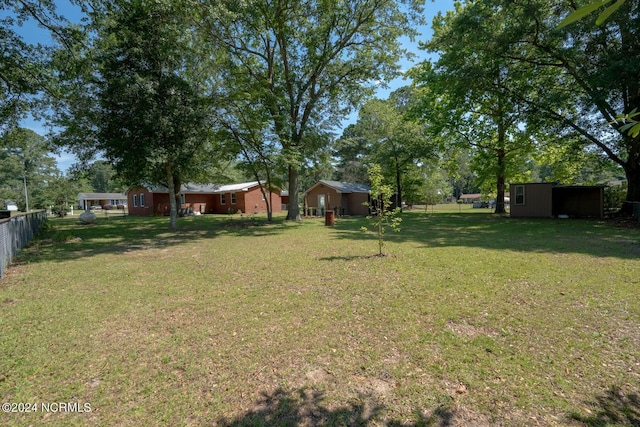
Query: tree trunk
x,y
398,186
633,185
267,201
173,211
500,185
294,209
632,173
501,154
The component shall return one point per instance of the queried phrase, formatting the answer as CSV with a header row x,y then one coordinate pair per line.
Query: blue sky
x,y
34,35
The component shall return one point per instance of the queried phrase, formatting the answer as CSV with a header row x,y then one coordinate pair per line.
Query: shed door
x,y
321,204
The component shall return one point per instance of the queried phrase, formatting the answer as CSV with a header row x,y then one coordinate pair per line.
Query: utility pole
x,y
26,195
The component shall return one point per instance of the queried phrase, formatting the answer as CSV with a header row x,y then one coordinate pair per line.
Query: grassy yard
x,y
472,320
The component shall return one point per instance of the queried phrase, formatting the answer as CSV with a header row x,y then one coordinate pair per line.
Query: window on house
x,y
233,198
135,200
223,199
141,200
519,194
182,199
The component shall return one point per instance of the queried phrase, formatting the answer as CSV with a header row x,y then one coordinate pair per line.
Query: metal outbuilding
x,y
547,200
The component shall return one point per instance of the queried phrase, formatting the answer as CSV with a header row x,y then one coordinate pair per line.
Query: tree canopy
x,y
28,171
383,135
559,83
305,64
137,95
26,70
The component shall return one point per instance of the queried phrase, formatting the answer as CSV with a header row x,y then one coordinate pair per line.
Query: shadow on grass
x,y
489,231
615,407
348,258
69,239
305,407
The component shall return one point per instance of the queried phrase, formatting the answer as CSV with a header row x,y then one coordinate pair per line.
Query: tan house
x,y
470,197
245,197
345,198
89,200
547,200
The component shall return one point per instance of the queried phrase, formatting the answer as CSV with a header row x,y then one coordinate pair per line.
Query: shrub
x,y
614,197
59,211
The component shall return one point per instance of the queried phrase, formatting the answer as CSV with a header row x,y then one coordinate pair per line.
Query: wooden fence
x,y
15,233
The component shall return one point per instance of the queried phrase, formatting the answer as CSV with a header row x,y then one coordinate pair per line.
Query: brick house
x,y
345,198
246,197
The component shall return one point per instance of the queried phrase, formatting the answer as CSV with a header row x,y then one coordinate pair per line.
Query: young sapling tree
x,y
379,204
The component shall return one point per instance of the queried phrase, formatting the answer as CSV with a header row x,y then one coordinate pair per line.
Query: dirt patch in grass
x,y
471,331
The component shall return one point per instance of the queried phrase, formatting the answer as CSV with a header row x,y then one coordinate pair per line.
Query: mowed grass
x,y
472,319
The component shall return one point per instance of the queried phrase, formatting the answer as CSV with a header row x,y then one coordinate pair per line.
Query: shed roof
x,y
343,187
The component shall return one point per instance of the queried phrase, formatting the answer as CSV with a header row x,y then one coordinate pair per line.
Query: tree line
x,y
176,91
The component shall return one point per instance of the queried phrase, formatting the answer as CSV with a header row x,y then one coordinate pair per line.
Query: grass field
x,y
472,319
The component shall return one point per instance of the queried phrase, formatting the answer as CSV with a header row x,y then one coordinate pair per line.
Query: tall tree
x,y
351,152
306,63
101,175
394,142
26,166
140,99
245,136
465,102
62,191
582,76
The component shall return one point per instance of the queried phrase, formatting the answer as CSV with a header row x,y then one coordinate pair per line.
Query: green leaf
x,y
633,113
582,12
608,11
633,128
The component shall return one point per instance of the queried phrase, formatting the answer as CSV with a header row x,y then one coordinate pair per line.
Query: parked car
x,y
480,204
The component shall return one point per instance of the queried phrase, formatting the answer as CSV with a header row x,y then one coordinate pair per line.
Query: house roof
x,y
342,187
243,186
207,188
102,196
471,196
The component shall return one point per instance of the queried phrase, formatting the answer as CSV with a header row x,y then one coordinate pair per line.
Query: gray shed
x,y
546,200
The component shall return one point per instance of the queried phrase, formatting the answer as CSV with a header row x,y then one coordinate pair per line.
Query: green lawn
x,y
473,319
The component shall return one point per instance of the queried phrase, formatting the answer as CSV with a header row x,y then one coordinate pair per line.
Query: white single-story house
x,y
87,200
